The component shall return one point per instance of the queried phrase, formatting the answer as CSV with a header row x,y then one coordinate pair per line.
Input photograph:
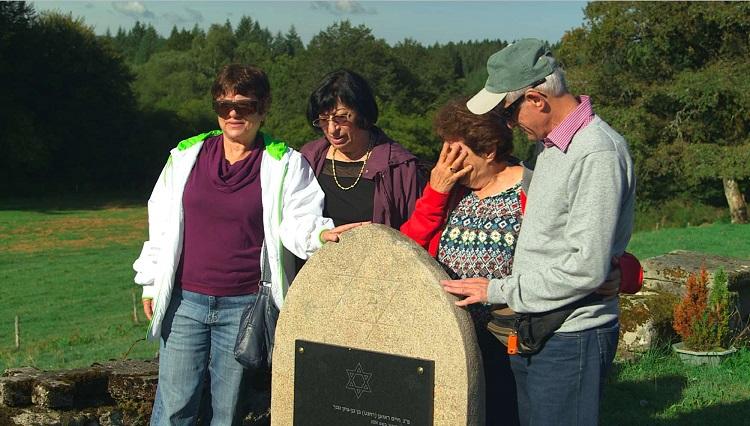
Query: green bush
x,y
676,213
723,303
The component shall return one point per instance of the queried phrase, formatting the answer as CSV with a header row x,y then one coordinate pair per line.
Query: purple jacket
x,y
392,168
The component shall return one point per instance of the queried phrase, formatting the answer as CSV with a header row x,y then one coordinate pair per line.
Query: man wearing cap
x,y
579,214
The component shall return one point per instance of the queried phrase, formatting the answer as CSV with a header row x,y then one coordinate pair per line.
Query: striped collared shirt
x,y
579,118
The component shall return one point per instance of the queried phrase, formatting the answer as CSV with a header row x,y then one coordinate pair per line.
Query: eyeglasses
x,y
339,120
511,109
243,108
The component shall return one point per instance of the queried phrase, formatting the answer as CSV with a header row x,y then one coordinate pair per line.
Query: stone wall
x,y
114,393
110,393
646,317
670,271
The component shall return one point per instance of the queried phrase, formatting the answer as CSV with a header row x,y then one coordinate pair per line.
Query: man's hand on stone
x,y
474,290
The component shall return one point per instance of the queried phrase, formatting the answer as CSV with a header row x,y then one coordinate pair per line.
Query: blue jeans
x,y
563,383
197,349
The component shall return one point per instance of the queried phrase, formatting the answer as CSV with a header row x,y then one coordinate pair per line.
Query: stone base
x,y
645,321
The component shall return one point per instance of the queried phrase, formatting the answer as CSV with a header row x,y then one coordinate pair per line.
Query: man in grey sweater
x,y
579,214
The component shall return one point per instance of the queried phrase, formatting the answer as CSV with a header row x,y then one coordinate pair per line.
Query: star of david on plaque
x,y
359,380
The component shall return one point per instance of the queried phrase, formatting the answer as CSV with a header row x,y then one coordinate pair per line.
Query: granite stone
x,y
376,290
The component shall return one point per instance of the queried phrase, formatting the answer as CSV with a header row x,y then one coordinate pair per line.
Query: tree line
x,y
87,112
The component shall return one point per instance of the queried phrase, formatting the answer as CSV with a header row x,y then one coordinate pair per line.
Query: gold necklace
x,y
361,171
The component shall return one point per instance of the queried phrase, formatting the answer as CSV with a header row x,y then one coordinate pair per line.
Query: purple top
x,y
392,168
223,223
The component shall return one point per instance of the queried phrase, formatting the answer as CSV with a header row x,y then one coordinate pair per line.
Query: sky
x,y
427,22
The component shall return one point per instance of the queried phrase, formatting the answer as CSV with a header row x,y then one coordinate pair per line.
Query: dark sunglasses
x,y
511,109
243,108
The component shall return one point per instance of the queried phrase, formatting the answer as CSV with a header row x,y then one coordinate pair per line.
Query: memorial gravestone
x,y
368,337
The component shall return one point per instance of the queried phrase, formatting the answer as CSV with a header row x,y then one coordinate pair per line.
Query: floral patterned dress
x,y
479,239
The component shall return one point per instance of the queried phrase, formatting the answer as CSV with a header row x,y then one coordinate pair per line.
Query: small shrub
x,y
692,305
721,303
701,318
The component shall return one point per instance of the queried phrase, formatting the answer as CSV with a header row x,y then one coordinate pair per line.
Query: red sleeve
x,y
428,217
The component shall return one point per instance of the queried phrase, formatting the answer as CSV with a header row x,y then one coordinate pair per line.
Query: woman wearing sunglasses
x,y
365,175
222,197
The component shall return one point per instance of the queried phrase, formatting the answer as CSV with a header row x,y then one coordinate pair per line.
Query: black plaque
x,y
336,385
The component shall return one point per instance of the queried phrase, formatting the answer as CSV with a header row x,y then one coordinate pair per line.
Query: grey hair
x,y
554,85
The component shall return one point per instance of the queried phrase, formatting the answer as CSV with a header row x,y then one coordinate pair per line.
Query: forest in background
x,y
83,113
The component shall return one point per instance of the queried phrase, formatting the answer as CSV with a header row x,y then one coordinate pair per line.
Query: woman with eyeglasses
x,y
365,175
226,202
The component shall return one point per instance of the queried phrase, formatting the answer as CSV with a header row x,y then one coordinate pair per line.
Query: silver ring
x,y
452,169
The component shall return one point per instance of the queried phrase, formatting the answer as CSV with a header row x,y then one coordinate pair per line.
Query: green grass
x,y
659,390
720,238
65,270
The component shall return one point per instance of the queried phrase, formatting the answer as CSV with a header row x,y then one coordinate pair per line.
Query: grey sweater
x,y
578,215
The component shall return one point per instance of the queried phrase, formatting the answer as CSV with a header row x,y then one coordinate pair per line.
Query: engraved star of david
x,y
358,386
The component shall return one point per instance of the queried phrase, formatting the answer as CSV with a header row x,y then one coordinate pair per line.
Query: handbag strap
x,y
265,267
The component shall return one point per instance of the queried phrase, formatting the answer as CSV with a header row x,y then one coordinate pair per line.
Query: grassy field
x,y
67,275
720,238
66,272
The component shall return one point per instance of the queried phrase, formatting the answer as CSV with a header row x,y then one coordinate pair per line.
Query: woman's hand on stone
x,y
474,289
332,235
449,168
148,308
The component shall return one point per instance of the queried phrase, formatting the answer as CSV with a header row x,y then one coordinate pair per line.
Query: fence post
x,y
18,333
135,308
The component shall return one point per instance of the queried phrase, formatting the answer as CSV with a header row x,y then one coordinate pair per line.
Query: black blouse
x,y
346,206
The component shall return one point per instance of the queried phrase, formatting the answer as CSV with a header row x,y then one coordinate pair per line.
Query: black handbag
x,y
531,331
254,345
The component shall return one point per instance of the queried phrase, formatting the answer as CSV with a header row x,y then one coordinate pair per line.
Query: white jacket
x,y
292,220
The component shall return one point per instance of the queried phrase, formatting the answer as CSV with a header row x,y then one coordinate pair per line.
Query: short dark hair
x,y
246,80
483,133
352,90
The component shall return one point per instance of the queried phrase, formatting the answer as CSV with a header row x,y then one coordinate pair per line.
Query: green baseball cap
x,y
516,66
